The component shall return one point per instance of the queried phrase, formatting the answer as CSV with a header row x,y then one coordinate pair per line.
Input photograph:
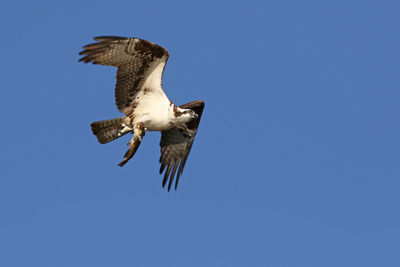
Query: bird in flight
x,y
140,96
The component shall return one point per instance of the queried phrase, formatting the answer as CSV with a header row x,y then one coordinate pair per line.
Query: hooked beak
x,y
194,116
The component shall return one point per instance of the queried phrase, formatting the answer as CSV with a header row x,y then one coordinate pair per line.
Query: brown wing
x,y
176,144
135,59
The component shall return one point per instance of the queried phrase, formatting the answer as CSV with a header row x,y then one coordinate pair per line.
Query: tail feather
x,y
108,130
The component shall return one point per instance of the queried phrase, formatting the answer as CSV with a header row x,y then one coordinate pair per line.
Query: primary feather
x,y
140,96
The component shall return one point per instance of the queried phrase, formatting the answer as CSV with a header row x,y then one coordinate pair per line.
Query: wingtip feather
x,y
108,38
171,178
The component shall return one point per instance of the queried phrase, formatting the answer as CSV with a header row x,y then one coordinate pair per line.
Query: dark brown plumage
x,y
139,94
107,130
134,58
176,144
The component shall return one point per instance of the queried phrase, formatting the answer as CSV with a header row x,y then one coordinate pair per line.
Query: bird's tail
x,y
108,130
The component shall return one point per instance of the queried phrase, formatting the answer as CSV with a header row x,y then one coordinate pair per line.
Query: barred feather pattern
x,y
108,130
135,58
176,144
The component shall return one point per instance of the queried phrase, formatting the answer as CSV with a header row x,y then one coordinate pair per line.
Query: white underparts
x,y
154,109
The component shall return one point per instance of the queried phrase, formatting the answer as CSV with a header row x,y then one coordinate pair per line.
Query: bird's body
x,y
139,94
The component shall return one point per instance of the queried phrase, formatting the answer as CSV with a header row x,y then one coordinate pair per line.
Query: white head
x,y
184,115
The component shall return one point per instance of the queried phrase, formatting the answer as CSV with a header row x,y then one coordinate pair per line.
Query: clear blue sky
x,y
296,162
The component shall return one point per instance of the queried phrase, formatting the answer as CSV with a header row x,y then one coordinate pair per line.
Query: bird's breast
x,y
155,117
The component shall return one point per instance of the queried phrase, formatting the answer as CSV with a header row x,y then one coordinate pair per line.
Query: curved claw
x,y
134,143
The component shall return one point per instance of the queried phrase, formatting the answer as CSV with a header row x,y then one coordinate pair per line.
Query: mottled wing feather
x,y
135,59
176,144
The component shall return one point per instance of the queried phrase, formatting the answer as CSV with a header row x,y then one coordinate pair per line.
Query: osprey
x,y
140,96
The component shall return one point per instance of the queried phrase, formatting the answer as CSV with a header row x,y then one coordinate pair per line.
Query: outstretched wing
x,y
176,144
140,63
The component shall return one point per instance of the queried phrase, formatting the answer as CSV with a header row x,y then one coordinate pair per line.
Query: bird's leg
x,y
125,129
139,132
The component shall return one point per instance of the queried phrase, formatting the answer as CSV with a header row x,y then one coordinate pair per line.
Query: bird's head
x,y
185,115
192,114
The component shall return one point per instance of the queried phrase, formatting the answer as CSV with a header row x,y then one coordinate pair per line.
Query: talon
x,y
125,129
134,143
139,130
